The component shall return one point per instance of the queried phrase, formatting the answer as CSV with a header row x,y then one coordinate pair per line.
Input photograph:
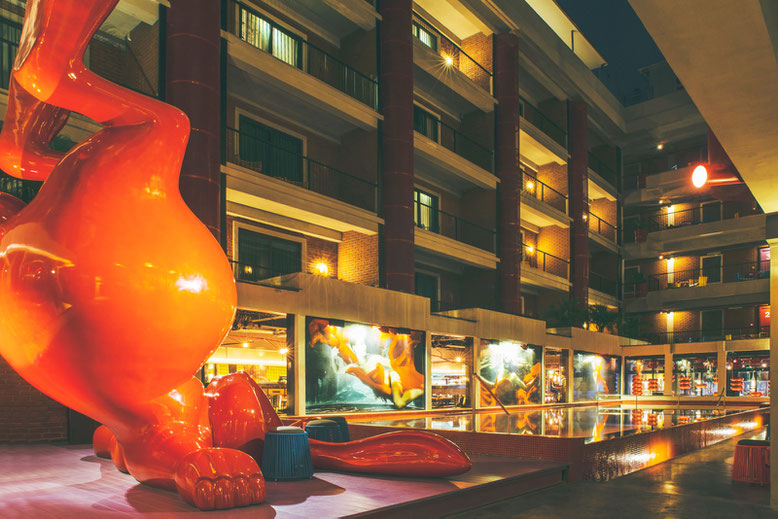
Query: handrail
x,y
456,227
454,53
695,277
599,166
608,232
542,121
660,220
602,284
315,61
454,140
748,332
701,151
300,170
537,258
543,192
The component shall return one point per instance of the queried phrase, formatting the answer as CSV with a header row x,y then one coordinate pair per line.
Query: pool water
x,y
594,423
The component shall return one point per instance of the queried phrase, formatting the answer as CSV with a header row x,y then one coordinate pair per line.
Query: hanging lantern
x,y
736,385
637,385
685,383
683,420
653,419
653,385
637,415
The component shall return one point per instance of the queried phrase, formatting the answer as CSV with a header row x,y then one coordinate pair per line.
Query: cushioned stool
x,y
286,454
324,430
752,462
343,424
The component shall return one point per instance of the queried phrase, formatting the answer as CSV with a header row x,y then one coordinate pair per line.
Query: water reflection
x,y
592,423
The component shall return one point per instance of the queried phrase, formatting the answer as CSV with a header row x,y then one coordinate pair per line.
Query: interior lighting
x,y
245,345
699,176
661,256
530,185
660,146
459,359
764,364
449,60
322,268
530,249
283,351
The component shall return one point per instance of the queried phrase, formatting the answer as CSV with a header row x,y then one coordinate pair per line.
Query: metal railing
x,y
531,186
542,122
454,227
453,55
696,215
602,284
719,334
700,277
666,161
264,34
451,139
600,167
602,227
544,261
264,157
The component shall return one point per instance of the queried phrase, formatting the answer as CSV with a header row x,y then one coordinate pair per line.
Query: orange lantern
x,y
637,385
653,384
685,383
736,384
653,419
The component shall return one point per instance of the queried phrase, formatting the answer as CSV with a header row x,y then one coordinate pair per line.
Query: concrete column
x,y
668,372
192,83
721,369
506,90
772,228
476,381
578,188
428,371
298,340
396,101
570,392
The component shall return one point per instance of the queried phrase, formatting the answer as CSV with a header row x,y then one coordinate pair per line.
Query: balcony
x,y
646,238
541,140
720,334
273,66
334,20
602,170
740,284
438,153
445,234
602,290
439,61
545,270
603,232
542,205
264,178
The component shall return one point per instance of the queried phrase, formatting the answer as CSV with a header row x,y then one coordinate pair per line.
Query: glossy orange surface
x,y
112,293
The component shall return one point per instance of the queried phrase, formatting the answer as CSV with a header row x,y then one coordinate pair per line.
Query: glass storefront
x,y
452,369
748,373
352,367
556,382
258,346
595,375
645,375
510,372
695,375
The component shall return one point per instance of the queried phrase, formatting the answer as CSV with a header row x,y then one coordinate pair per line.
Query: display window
x,y
556,381
451,370
645,375
352,367
595,375
748,373
510,373
257,345
695,375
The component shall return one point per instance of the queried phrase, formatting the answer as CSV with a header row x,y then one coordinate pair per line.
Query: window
x,y
426,37
425,123
711,211
711,324
426,210
711,268
263,257
764,262
265,35
426,285
270,151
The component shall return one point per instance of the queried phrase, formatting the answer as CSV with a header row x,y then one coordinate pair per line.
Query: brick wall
x,y
133,64
555,176
27,414
687,321
746,317
322,251
358,258
555,240
605,209
479,48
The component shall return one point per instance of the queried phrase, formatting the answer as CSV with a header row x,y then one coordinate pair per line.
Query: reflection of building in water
x,y
257,344
511,370
452,367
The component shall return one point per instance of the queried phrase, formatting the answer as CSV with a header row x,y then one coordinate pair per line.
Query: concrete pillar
x,y
506,90
298,341
570,387
428,371
396,101
721,369
668,372
578,185
192,83
772,233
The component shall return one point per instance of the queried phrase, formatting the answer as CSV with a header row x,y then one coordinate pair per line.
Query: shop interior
x,y
452,368
748,373
556,375
645,375
695,375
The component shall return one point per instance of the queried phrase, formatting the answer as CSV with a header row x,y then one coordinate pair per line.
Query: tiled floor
x,y
696,485
59,482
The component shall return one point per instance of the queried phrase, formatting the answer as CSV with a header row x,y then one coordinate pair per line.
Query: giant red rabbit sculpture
x,y
112,293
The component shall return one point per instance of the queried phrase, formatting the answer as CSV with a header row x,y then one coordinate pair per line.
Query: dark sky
x,y
617,33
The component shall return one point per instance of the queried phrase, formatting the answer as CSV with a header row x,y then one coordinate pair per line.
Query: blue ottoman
x,y
324,430
343,424
286,454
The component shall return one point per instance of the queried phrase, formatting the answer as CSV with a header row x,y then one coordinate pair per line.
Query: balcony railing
x,y
264,34
453,55
451,139
697,215
602,284
600,167
542,122
601,227
720,334
666,161
533,187
546,262
701,277
454,227
266,158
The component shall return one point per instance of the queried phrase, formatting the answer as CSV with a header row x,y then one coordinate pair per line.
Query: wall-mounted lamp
x,y
322,268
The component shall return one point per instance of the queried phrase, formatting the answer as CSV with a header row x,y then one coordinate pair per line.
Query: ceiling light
x,y
699,176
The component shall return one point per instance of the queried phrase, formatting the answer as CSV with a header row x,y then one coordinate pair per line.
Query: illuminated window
x,y
263,257
426,37
265,35
426,210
